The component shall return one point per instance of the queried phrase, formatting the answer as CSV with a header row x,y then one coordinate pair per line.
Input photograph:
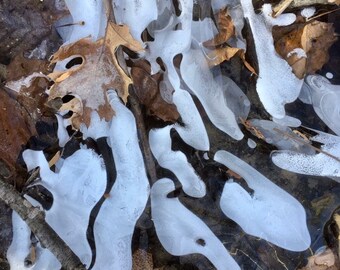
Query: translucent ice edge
x,y
196,74
276,84
269,213
325,98
181,232
318,164
175,161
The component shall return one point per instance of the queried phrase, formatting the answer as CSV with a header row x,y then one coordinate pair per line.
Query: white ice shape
x,y
193,132
181,232
319,164
117,217
92,13
276,84
269,213
62,132
76,188
175,161
326,100
197,75
20,249
137,14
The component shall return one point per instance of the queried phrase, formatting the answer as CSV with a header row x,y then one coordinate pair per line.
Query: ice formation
x,y
320,164
126,12
281,136
269,213
20,249
118,215
175,161
76,188
325,98
181,232
196,74
276,84
89,19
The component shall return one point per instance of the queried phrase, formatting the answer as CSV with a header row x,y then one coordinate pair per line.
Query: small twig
x,y
281,7
35,220
143,138
305,143
322,14
70,24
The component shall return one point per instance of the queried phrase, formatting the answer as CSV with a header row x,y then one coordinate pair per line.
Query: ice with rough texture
x,y
326,100
319,164
196,74
181,232
281,136
136,14
269,213
92,13
119,213
276,84
175,161
76,188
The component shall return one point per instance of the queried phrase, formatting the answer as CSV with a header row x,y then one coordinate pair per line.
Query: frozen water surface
x,y
181,232
269,212
175,161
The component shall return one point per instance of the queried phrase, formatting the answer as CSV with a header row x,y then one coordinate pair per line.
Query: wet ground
x,y
28,23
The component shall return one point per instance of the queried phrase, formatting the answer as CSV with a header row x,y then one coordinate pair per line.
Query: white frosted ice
x,y
175,161
196,74
119,213
181,232
319,164
92,13
251,143
193,132
62,132
269,213
137,14
276,84
329,75
76,188
326,100
308,12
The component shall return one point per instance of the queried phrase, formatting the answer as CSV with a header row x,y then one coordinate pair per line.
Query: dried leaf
x,y
120,35
88,82
321,261
220,55
314,38
226,29
148,93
